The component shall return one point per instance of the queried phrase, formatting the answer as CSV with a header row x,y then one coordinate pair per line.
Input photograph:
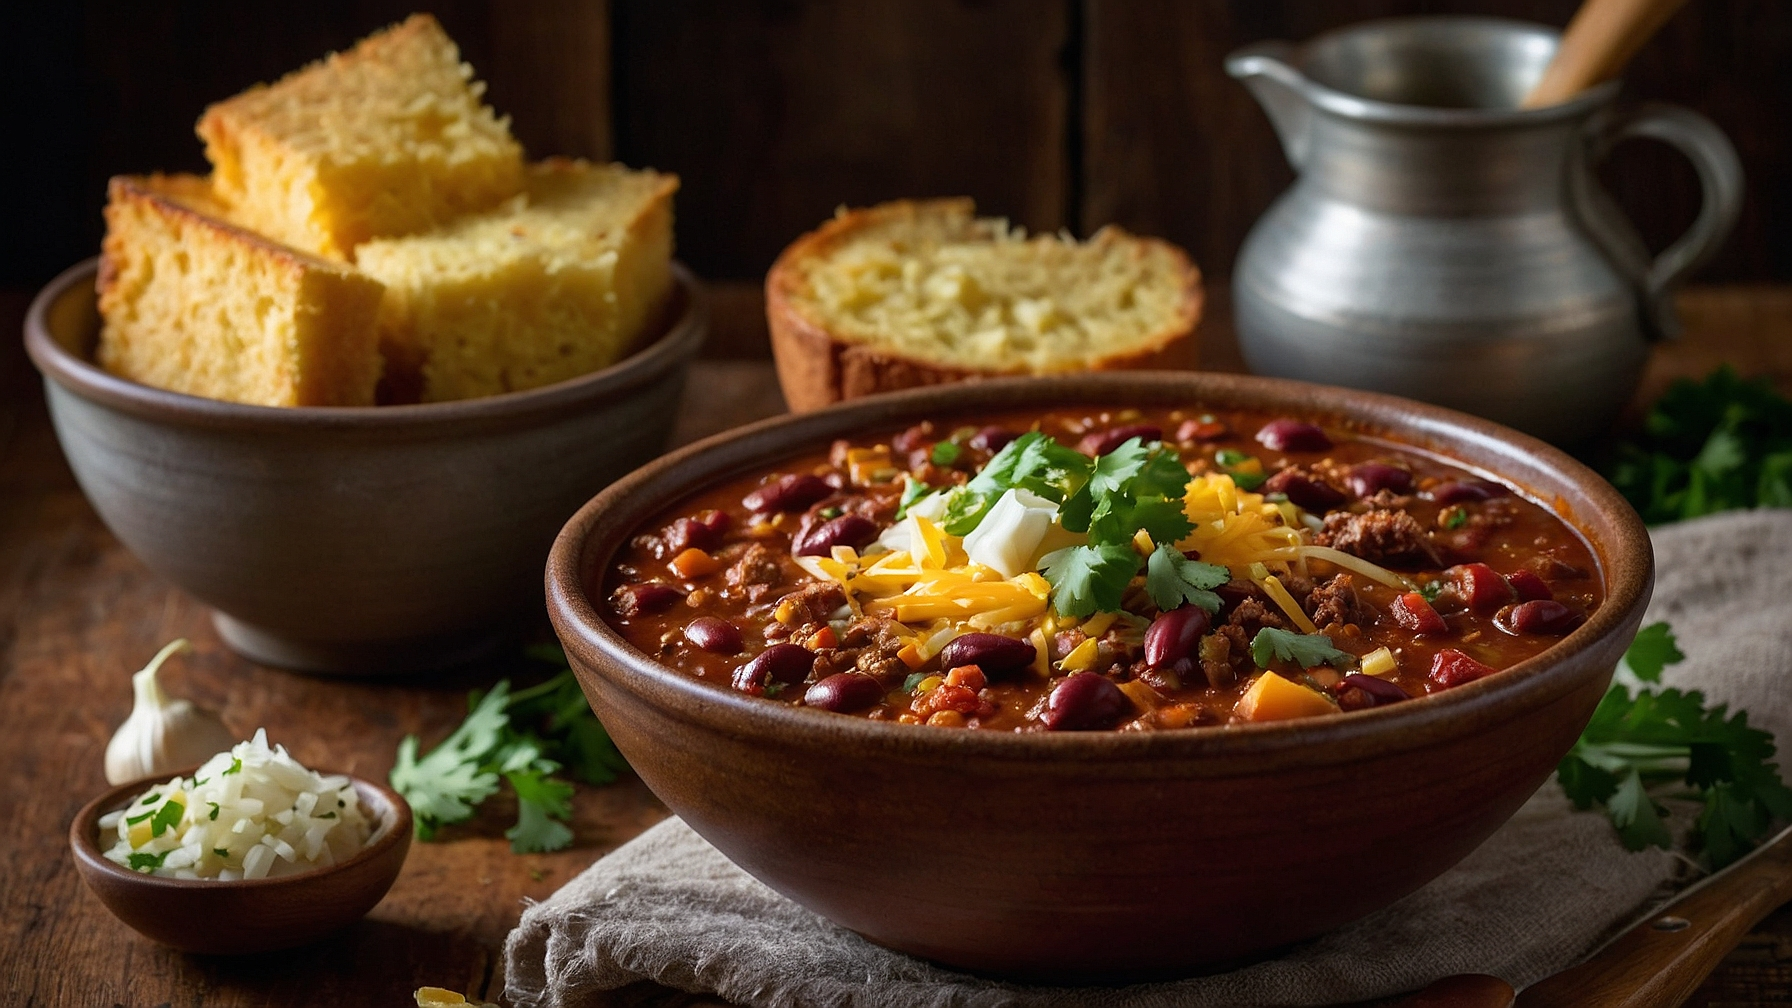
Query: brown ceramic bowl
x,y
351,540
247,915
1099,856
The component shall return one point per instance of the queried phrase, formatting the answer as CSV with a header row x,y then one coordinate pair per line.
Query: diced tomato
x,y
1528,586
1452,668
969,676
1480,586
1414,613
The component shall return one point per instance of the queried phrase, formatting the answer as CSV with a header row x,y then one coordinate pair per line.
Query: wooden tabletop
x,y
79,614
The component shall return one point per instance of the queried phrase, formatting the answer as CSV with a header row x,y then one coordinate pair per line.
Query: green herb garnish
x,y
214,813
1432,589
167,817
912,492
1456,518
1709,446
945,453
236,766
913,682
146,863
1172,579
134,820
524,738
1032,462
223,852
831,512
1660,736
1307,649
150,798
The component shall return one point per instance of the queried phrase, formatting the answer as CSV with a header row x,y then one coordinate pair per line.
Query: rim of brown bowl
x,y
589,540
83,836
77,373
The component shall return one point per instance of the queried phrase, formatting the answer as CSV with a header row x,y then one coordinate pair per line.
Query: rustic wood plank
x,y
550,72
775,114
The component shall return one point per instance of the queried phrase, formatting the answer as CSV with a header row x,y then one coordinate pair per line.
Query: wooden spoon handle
x,y
1660,962
1599,41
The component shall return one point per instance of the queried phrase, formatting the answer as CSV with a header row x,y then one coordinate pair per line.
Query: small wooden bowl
x,y
247,915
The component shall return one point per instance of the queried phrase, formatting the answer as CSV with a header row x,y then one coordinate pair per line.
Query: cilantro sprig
x,y
1655,737
525,738
1306,649
1708,446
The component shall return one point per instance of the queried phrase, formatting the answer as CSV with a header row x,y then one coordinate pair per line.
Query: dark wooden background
x,y
1056,113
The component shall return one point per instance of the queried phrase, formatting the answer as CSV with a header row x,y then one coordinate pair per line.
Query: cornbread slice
x,y
195,304
559,282
390,138
921,292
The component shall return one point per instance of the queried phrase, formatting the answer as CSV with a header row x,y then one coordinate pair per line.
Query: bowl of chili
x,y
1104,720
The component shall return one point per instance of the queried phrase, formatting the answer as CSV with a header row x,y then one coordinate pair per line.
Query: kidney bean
x,y
1480,586
1357,691
1084,702
1287,435
1201,430
703,532
1451,667
1457,491
845,692
847,530
633,600
1414,613
1173,640
915,437
1100,443
991,439
715,635
1528,586
995,654
784,663
1538,616
1304,491
1366,479
791,492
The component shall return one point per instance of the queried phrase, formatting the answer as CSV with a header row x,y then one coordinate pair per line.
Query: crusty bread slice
x,y
195,304
555,284
920,292
389,138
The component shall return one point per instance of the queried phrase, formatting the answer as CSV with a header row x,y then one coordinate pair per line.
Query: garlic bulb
x,y
162,735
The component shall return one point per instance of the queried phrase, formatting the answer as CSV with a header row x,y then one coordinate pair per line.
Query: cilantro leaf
x,y
443,786
1307,649
1585,784
1162,475
1172,579
540,800
1116,468
1653,650
1708,446
145,862
944,453
1638,818
1089,579
167,817
912,492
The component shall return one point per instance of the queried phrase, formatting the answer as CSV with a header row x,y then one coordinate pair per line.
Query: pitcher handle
x,y
1720,179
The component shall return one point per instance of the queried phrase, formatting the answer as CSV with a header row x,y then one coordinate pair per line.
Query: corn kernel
x,y
929,684
1098,624
1141,541
785,613
1380,662
946,719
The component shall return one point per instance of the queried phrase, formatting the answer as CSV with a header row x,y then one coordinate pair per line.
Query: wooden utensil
x,y
1599,41
1659,961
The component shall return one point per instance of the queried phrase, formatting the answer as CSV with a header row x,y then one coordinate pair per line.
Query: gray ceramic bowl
x,y
351,540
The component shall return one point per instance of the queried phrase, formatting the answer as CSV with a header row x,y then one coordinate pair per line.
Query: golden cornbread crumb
x,y
195,304
389,138
557,283
916,292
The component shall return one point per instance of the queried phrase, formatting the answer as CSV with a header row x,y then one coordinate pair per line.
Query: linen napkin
x,y
1541,893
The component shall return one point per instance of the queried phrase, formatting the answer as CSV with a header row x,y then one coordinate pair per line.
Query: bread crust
x,y
817,367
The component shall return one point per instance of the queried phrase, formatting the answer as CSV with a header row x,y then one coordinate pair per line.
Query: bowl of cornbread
x,y
346,388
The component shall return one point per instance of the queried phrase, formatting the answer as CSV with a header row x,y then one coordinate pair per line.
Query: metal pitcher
x,y
1443,244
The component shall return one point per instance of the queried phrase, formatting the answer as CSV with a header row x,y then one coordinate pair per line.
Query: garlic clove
x,y
162,735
